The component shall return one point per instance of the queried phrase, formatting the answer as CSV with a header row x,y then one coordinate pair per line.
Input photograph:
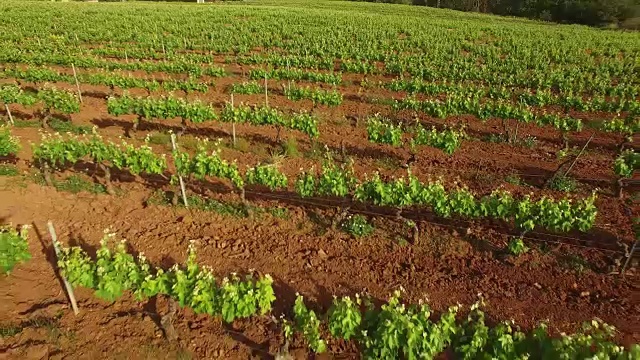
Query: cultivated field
x,y
338,160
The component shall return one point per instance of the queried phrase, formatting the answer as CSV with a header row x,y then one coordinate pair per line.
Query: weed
x,y
159,197
513,179
242,145
517,247
279,212
562,153
50,323
495,138
530,141
338,121
388,163
238,210
189,142
483,177
259,149
316,152
357,226
575,263
10,330
563,183
37,178
8,170
75,184
68,127
183,354
26,124
160,139
401,240
235,209
290,147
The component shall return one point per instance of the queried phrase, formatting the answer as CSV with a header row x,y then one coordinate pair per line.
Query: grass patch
x,y
233,209
357,225
191,142
563,183
75,184
260,150
338,121
316,152
517,247
159,197
163,139
513,179
575,263
242,145
68,127
50,323
183,354
237,210
483,177
26,124
529,141
388,163
279,212
290,147
8,170
495,138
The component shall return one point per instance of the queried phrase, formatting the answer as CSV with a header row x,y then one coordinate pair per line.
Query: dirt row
x,y
481,165
451,262
302,254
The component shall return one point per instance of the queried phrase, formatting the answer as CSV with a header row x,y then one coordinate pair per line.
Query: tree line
x,y
623,13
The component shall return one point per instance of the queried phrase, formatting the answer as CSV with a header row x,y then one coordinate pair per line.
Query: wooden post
x,y
287,72
579,154
266,95
184,192
633,249
233,124
75,76
68,287
126,58
6,107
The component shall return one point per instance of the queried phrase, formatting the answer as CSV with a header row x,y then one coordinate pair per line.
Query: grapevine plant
x,y
53,99
297,75
14,248
56,151
332,180
561,216
9,144
203,165
62,101
166,107
246,88
388,332
115,271
13,94
627,163
625,166
627,126
267,116
384,131
112,80
499,109
317,96
396,330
